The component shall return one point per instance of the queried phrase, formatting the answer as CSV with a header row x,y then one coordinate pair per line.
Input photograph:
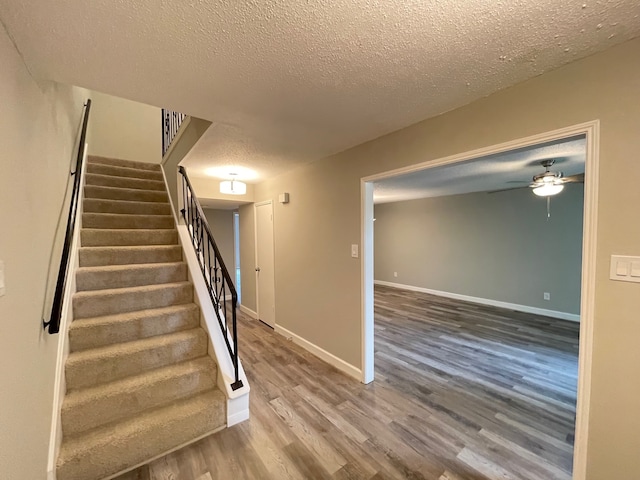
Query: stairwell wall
x,y
39,126
318,287
124,129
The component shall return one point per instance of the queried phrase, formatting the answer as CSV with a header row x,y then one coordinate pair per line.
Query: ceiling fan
x,y
548,183
551,183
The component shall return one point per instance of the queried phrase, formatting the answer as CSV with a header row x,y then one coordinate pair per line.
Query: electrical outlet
x,y
395,274
547,296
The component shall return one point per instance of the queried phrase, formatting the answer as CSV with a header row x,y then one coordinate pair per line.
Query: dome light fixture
x,y
548,189
233,186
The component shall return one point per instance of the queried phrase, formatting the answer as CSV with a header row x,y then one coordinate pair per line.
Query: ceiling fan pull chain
x,y
548,208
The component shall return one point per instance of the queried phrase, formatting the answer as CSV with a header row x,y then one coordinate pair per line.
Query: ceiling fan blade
x,y
508,189
578,178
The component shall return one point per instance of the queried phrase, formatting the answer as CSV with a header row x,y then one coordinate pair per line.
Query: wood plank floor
x,y
462,392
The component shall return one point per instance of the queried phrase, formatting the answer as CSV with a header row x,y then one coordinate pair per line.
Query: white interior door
x,y
265,264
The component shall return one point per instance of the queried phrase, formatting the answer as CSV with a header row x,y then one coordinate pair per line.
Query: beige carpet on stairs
x,y
139,379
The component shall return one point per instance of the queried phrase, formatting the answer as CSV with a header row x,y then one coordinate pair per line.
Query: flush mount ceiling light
x,y
233,186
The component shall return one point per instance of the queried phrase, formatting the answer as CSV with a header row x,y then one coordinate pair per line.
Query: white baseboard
x,y
248,311
485,301
330,358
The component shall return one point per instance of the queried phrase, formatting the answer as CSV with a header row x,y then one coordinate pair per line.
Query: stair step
x,y
90,408
128,221
115,448
123,276
97,205
95,332
117,171
122,182
98,256
121,300
117,162
128,194
97,237
89,368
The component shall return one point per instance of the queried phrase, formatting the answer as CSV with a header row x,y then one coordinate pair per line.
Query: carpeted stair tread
x,y
96,366
120,300
99,205
128,194
123,182
114,448
126,221
117,162
139,382
120,171
93,407
103,237
126,255
94,332
124,276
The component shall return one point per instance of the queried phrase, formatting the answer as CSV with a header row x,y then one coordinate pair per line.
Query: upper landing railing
x,y
171,122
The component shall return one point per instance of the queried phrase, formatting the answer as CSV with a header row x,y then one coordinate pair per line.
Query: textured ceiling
x,y
514,168
293,81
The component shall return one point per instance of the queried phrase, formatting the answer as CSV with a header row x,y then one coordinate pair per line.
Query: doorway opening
x,y
589,133
265,268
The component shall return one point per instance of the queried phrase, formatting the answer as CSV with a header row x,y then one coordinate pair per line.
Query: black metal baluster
x,y
215,273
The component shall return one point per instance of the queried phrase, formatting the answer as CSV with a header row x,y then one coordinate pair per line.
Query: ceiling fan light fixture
x,y
548,189
233,187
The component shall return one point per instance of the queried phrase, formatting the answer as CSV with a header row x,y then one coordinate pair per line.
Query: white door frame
x,y
589,237
273,243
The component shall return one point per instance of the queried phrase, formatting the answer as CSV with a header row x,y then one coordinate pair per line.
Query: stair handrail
x,y
216,275
53,324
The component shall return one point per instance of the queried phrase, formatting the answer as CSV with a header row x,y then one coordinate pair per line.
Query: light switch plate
x,y
625,268
622,268
354,250
2,289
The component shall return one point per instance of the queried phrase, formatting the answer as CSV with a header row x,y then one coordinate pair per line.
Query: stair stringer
x,y
237,400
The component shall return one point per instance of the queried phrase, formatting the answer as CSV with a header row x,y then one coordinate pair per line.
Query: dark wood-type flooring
x,y
462,392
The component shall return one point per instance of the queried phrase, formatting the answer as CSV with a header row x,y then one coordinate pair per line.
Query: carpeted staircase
x,y
139,379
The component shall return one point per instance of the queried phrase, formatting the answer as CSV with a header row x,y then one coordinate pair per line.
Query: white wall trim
x,y
321,353
587,301
246,310
366,283
237,410
226,372
59,383
484,301
589,247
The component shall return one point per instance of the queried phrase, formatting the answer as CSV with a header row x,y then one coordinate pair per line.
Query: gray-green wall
x,y
248,256
493,246
221,225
